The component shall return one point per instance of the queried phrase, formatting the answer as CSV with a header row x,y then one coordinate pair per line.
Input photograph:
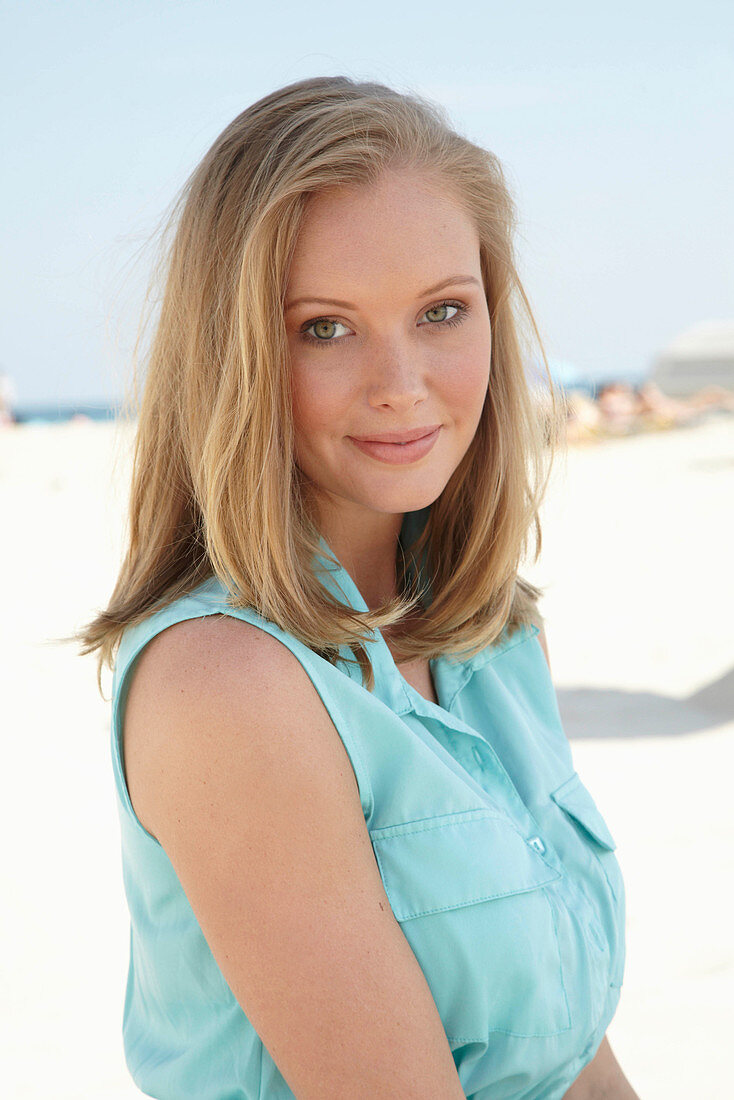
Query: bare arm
x,y
235,766
602,1079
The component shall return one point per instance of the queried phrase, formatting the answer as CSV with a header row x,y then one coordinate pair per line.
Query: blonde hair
x,y
215,489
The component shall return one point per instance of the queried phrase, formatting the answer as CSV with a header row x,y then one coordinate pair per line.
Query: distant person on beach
x,y
357,856
620,409
617,404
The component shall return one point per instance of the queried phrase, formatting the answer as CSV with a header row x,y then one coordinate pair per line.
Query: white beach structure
x,y
701,356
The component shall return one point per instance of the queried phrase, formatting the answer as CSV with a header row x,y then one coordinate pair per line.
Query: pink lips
x,y
398,437
389,448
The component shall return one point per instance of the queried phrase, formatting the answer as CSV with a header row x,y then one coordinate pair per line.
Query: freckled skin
x,y
394,364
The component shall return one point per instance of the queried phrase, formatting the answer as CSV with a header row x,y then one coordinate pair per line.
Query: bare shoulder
x,y
187,655
219,677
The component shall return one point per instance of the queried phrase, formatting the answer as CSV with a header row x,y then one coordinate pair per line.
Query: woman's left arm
x,y
602,1079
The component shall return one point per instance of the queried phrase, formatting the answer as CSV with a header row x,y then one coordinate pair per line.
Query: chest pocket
x,y
576,801
468,891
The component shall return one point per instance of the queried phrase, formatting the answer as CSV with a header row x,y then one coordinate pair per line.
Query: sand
x,y
637,567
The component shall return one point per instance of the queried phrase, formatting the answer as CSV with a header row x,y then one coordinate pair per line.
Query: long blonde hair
x,y
215,489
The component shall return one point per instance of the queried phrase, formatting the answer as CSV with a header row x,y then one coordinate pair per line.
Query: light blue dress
x,y
495,859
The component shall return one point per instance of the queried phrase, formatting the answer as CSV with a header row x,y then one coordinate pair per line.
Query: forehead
x,y
402,224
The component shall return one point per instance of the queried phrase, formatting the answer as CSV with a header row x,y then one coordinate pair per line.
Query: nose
x,y
398,376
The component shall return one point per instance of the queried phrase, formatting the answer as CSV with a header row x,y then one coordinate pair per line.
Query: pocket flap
x,y
453,860
575,799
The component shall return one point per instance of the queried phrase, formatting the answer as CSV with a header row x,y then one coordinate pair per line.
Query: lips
x,y
398,437
400,452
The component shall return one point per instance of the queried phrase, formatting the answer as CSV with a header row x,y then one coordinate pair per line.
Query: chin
x,y
402,499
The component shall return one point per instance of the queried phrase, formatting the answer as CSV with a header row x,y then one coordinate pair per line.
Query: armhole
x,y
121,689
130,651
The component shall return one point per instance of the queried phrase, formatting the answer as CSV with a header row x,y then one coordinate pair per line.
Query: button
x,y
537,843
477,754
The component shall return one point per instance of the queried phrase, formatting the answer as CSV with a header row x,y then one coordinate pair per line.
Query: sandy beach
x,y
636,564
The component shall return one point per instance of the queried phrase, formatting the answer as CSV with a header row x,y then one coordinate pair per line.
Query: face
x,y
389,334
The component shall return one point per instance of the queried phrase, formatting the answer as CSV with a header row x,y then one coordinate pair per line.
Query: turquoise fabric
x,y
494,857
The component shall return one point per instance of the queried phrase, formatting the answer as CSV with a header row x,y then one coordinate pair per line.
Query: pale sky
x,y
614,123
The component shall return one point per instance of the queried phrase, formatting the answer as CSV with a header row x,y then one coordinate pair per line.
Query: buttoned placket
x,y
450,678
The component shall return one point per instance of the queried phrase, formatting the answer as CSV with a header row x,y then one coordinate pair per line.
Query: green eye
x,y
446,314
323,331
439,313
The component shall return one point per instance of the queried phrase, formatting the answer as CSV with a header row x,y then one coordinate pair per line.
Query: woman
x,y
357,857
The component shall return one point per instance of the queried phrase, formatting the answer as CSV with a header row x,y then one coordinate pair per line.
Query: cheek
x,y
318,403
466,388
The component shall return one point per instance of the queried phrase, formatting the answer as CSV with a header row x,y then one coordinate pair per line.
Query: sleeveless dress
x,y
495,859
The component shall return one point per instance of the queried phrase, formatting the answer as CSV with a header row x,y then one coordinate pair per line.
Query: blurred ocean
x,y
54,412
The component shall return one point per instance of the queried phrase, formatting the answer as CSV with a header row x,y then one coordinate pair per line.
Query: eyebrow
x,y
453,280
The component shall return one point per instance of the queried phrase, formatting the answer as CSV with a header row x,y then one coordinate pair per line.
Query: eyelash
x,y
457,319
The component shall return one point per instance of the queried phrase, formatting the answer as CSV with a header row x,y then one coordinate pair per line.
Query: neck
x,y
368,554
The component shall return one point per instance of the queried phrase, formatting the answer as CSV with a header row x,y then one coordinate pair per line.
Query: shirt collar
x,y
390,687
450,672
